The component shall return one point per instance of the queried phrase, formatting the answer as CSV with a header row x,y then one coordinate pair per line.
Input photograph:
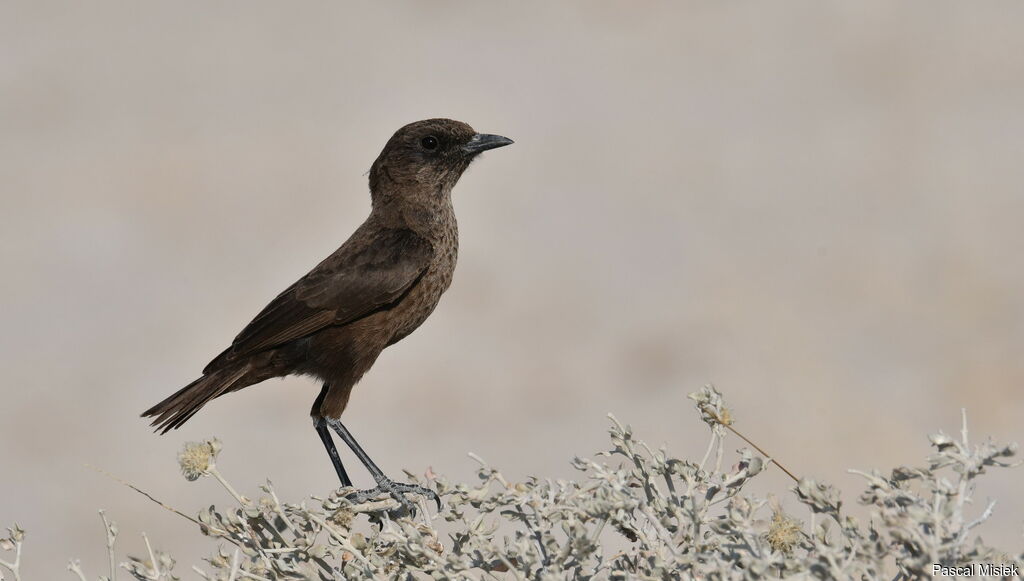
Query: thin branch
x,y
15,566
75,567
111,536
152,557
152,498
234,567
707,453
770,458
242,500
963,429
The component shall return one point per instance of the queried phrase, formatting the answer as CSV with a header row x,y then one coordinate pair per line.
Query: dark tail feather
x,y
178,408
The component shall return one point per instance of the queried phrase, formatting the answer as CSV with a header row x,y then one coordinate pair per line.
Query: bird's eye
x,y
429,142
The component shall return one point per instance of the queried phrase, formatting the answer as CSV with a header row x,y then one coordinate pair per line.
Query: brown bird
x,y
374,290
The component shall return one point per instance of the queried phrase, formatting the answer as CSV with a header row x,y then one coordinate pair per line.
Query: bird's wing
x,y
358,279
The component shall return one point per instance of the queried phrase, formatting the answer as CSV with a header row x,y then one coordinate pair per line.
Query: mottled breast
x,y
423,297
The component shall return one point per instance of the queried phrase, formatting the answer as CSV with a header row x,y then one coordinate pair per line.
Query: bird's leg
x,y
332,451
385,485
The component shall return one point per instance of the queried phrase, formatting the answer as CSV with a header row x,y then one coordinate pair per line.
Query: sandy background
x,y
816,206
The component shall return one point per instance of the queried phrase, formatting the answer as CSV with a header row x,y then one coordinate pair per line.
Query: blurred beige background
x,y
816,206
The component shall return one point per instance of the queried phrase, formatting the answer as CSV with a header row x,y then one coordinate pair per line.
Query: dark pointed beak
x,y
484,141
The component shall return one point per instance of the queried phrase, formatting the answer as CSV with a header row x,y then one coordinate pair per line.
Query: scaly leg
x,y
385,485
332,451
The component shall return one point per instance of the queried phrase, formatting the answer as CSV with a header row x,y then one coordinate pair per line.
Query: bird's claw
x,y
397,491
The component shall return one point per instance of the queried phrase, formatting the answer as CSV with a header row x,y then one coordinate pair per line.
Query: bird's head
x,y
429,156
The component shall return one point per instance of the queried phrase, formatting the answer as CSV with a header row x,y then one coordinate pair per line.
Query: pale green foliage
x,y
632,512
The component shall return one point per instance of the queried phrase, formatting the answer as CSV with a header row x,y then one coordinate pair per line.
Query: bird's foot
x,y
397,491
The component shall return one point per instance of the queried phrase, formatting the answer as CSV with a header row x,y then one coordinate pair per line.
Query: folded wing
x,y
360,278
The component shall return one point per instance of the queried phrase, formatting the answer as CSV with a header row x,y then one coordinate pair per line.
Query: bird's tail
x,y
178,408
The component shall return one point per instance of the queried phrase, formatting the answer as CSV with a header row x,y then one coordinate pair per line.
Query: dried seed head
x,y
197,458
343,517
784,533
711,406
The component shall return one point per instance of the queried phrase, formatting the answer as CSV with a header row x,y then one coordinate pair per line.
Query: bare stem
x,y
111,535
151,497
15,566
234,567
152,557
963,428
231,490
75,567
758,448
711,446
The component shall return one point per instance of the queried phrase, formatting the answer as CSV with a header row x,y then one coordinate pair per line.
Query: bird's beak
x,y
483,142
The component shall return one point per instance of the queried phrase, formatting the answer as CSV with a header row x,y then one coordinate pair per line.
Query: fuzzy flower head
x,y
197,458
784,533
